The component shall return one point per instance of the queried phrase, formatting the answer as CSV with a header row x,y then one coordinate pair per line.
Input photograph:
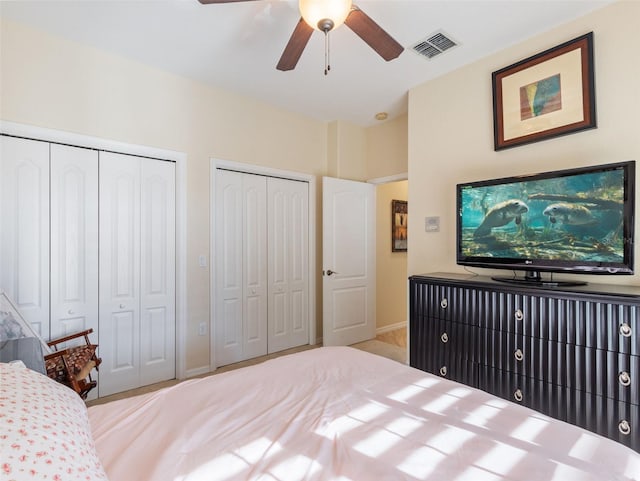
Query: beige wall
x,y
391,267
451,130
346,157
386,148
50,82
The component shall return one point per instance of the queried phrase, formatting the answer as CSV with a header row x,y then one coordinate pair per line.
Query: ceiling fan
x,y
326,15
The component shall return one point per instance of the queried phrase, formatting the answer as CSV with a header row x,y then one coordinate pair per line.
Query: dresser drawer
x,y
445,302
610,418
443,347
599,325
433,301
605,373
545,397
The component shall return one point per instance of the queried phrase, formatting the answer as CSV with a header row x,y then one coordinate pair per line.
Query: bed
x,y
332,413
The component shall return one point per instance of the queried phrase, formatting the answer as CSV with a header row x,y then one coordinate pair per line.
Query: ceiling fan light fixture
x,y
320,14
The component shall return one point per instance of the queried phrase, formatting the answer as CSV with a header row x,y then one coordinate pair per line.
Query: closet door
x,y
254,272
241,279
24,235
288,244
137,272
158,272
119,272
74,240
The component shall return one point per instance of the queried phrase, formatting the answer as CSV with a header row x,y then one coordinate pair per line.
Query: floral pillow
x,y
44,430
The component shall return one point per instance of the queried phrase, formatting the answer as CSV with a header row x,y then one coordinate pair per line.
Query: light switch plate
x,y
432,224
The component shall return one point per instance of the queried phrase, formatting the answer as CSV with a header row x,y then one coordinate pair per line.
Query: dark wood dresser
x,y
572,353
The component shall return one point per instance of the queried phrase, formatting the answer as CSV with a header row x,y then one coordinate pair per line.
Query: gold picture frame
x,y
545,96
399,219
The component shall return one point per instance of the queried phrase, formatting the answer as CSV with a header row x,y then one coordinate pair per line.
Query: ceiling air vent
x,y
434,45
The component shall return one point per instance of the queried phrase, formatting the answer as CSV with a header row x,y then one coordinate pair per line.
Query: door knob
x,y
329,272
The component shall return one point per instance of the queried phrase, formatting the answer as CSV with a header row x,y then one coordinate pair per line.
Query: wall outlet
x,y
202,261
202,329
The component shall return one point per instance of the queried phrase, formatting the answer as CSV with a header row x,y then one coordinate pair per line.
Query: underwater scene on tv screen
x,y
576,218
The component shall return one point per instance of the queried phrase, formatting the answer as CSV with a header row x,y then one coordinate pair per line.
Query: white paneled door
x,y
74,240
261,292
24,236
137,271
288,244
157,271
241,274
348,259
88,241
49,254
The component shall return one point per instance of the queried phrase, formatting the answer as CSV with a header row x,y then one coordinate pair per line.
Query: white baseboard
x,y
198,371
392,327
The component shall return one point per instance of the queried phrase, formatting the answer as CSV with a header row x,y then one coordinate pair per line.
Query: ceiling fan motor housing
x,y
325,25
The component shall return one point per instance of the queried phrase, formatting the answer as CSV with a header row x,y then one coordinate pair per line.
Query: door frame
x,y
180,159
214,165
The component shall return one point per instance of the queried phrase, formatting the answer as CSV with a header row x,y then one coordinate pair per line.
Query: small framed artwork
x,y
544,96
399,219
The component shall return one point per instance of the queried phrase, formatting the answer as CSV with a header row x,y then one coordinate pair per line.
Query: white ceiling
x,y
236,46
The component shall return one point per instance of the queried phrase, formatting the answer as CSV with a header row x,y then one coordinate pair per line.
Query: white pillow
x,y
44,430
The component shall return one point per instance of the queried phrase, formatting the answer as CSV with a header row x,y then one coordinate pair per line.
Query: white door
x,y
74,240
137,272
157,271
241,267
348,261
288,243
24,235
119,272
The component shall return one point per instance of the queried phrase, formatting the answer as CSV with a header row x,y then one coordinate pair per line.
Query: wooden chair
x,y
70,366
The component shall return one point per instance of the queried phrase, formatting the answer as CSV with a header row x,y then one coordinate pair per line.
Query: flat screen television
x,y
571,221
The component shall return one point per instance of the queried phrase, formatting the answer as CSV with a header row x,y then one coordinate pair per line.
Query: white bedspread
x,y
342,414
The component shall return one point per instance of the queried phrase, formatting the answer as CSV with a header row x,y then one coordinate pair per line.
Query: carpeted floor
x,y
392,344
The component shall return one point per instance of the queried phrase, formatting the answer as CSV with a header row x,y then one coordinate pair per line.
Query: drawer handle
x,y
443,371
625,329
444,338
623,427
518,355
624,378
517,395
519,315
444,303
121,306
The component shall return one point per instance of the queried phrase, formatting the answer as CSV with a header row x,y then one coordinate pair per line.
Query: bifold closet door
x,y
49,253
137,272
241,267
74,240
288,254
24,235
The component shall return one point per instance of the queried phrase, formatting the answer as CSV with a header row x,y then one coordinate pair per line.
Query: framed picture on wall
x,y
399,220
544,96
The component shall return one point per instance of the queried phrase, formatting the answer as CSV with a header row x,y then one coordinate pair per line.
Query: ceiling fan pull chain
x,y
327,67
